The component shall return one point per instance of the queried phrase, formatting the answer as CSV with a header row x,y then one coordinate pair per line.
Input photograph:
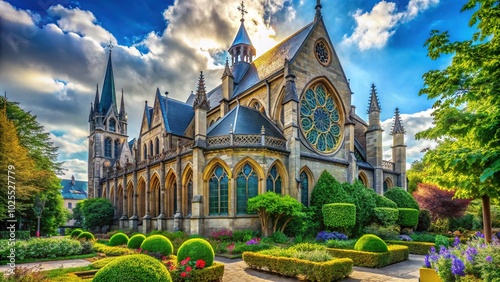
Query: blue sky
x,y
53,54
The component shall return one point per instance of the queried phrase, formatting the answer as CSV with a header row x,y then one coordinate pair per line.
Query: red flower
x,y
184,262
172,268
183,274
188,269
200,263
163,258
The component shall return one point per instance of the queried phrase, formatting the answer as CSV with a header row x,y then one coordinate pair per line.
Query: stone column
x,y
178,171
123,216
146,220
161,222
134,220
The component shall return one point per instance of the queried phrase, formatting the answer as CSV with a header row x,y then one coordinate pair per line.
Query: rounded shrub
x,y
75,233
339,215
383,202
134,268
386,216
196,249
118,239
402,198
371,243
158,244
86,236
135,241
408,218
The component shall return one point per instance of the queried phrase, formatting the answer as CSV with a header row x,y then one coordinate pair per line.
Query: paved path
x,y
236,270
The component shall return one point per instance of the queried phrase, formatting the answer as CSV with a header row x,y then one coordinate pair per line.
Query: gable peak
x,y
397,126
374,103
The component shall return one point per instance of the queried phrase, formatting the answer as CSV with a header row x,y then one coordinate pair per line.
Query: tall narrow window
x,y
116,147
247,186
145,151
190,195
175,198
304,189
274,181
112,124
151,149
157,146
218,192
107,147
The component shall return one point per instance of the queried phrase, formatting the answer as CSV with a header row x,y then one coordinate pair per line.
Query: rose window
x,y
322,53
320,120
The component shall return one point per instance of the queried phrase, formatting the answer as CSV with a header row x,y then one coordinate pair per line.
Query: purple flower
x,y
404,238
479,234
489,259
432,250
427,262
456,242
457,266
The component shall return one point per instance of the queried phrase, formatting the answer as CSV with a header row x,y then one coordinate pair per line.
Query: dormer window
x,y
112,125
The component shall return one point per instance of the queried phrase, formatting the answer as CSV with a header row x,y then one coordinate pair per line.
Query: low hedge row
x,y
395,254
333,270
206,274
416,248
112,251
19,235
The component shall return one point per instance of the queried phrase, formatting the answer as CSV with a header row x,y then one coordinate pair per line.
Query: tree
x,y
97,213
279,210
365,204
467,110
415,175
440,203
77,214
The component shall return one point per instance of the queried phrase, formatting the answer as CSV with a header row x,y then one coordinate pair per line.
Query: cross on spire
x,y
243,11
110,46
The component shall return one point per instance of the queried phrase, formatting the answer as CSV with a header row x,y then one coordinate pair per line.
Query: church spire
x,y
227,70
318,10
397,127
123,113
242,49
97,105
108,97
374,104
201,95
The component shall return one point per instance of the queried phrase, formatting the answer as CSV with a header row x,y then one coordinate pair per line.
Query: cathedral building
x,y
274,123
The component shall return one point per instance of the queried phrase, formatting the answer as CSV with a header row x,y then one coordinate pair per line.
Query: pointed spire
x,y
397,126
227,70
201,94
374,104
123,113
108,97
290,88
318,10
97,105
242,49
91,114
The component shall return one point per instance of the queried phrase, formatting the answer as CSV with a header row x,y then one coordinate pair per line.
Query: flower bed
x,y
193,270
331,270
416,248
395,254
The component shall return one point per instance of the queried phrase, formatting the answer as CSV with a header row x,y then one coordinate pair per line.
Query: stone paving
x,y
236,271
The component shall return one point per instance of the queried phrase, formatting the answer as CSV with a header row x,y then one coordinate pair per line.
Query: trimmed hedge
x,y
339,215
118,239
206,274
87,236
135,241
332,270
157,244
395,254
133,268
408,217
383,202
402,198
20,235
196,249
370,243
112,251
386,216
416,248
76,232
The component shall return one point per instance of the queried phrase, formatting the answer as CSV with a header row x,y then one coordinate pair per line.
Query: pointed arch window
x,y
247,186
107,147
218,192
190,195
112,125
145,152
175,198
304,189
116,148
157,146
151,149
274,181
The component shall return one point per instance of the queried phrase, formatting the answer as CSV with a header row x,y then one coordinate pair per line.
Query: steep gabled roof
x,y
77,190
108,96
242,36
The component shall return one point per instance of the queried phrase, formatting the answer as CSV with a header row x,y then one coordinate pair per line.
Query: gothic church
x,y
274,123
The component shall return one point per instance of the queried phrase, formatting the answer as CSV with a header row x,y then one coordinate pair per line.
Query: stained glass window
x,y
157,146
116,147
190,195
320,119
304,189
107,147
322,52
218,192
145,152
274,181
247,186
175,198
112,124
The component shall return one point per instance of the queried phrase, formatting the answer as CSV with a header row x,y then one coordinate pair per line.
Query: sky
x,y
53,53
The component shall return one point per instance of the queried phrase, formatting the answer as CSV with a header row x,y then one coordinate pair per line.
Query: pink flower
x,y
184,262
188,269
183,274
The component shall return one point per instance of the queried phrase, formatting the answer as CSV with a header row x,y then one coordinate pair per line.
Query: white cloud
x,y
373,29
75,167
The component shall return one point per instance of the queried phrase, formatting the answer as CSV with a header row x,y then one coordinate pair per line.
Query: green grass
x,y
91,255
56,273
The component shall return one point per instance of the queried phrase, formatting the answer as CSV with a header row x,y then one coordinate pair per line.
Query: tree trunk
x,y
487,218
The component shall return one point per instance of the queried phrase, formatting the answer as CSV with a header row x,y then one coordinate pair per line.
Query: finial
x,y
231,128
110,46
262,130
243,11
397,126
318,10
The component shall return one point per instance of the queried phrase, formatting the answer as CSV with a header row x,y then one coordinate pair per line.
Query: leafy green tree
x,y
77,214
97,213
365,204
415,175
467,110
279,210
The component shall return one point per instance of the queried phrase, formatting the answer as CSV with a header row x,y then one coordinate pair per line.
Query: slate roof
x,y
76,191
176,114
247,75
131,144
242,36
244,121
108,96
361,162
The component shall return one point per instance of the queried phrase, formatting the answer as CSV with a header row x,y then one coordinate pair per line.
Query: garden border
x,y
396,253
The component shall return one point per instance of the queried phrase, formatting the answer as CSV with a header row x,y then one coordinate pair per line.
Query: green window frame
x,y
218,192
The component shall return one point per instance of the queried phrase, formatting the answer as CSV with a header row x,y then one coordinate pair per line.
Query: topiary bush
x,y
133,268
86,236
118,239
371,243
424,220
383,202
402,198
386,216
75,233
339,216
196,249
408,218
157,244
365,203
135,241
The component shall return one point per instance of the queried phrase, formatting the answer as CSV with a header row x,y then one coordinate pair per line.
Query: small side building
x,y
73,191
